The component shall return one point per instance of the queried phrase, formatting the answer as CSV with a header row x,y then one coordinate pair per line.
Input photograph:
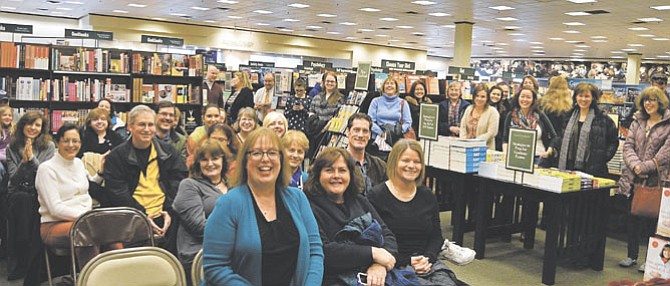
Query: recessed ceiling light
x,y
285,30
661,8
262,11
502,44
635,45
573,42
404,27
227,2
298,5
574,24
647,35
579,50
74,2
348,24
536,43
366,30
516,34
326,15
64,9
507,19
368,9
616,52
598,37
423,2
518,40
578,13
496,48
388,19
537,47
599,41
572,32
200,8
333,33
137,5
120,11
582,46
314,27
381,36
178,14
449,26
651,19
350,38
501,8
629,50
262,24
234,17
661,39
582,1
618,57
158,19
291,20
439,14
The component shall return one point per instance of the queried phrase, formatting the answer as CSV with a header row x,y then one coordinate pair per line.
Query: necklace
x,y
263,210
219,182
399,196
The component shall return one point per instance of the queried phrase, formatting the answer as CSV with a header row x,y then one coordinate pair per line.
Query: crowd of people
x,y
239,188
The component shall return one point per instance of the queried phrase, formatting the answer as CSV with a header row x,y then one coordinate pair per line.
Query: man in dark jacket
x,y
144,173
372,168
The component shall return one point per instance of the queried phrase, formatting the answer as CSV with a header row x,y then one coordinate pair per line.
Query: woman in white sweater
x,y
62,190
479,120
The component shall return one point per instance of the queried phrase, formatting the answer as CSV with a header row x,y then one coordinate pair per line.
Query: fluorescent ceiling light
x,y
635,45
579,50
366,30
578,13
314,27
501,8
449,26
65,9
577,54
512,27
368,9
326,15
333,33
502,44
178,14
418,34
298,5
556,39
507,19
518,40
348,24
227,2
582,46
651,19
158,19
572,42
388,19
439,14
496,48
663,56
210,21
616,52
74,2
638,29
537,47
536,43
572,32
423,2
234,17
200,8
137,5
582,1
382,36
262,24
404,27
120,11
574,24
647,35
394,40
618,57
291,20
262,11
599,41
661,8
598,37
285,30
350,38
661,39
629,50
56,12
516,34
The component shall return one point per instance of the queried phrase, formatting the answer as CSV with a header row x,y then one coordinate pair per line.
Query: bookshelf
x,y
67,81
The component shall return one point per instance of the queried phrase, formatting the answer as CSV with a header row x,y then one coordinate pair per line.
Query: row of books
x,y
89,90
60,117
177,93
28,88
90,60
24,56
167,64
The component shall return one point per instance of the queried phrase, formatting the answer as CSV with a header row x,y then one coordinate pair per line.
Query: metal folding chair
x,y
196,269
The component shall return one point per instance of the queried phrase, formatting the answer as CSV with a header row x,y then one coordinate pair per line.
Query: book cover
x,y
166,63
658,256
182,93
166,92
148,93
180,65
118,93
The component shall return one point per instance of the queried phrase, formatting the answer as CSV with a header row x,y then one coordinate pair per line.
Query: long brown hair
x,y
18,139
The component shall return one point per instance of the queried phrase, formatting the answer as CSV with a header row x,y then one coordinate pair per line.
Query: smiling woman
x,y
98,136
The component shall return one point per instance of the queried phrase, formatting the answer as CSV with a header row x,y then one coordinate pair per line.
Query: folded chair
x,y
139,266
107,226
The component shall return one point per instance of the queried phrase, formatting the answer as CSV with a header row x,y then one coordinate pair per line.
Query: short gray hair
x,y
138,110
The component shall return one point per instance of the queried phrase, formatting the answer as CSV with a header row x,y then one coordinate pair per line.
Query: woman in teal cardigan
x,y
262,231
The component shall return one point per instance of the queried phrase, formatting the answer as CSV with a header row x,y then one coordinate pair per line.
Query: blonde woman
x,y
246,122
480,120
242,97
557,103
277,122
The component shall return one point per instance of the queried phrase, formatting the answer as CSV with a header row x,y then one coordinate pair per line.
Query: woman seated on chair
x,y
62,185
196,197
226,135
410,210
262,232
296,145
333,189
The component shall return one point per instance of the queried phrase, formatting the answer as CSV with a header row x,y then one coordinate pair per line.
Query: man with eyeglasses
x,y
165,127
264,95
658,79
144,173
372,168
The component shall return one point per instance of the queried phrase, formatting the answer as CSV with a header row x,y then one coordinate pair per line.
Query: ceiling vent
x,y
412,43
385,28
226,9
412,12
326,22
53,2
596,12
367,38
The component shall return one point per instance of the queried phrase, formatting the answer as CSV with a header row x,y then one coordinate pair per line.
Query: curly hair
x,y
557,98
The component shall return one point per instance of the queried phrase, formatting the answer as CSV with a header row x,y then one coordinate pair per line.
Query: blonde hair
x,y
297,137
394,158
10,128
273,116
557,98
248,112
244,78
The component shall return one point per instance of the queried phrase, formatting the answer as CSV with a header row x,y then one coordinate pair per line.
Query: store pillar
x,y
633,68
463,44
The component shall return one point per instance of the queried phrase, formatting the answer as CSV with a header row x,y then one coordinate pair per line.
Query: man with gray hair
x,y
144,173
263,97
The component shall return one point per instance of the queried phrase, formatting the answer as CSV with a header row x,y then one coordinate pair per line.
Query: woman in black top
x,y
410,210
333,189
98,136
242,97
498,102
417,95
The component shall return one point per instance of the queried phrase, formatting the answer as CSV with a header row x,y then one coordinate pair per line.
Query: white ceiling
x,y
537,22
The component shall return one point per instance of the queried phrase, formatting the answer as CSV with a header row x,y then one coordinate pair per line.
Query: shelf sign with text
x,y
398,65
521,150
261,64
16,28
316,64
363,75
428,121
148,39
461,71
85,34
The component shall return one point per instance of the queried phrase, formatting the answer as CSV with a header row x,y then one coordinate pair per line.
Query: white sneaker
x,y
457,254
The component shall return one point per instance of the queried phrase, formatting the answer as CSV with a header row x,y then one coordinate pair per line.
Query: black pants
x,y
637,226
25,248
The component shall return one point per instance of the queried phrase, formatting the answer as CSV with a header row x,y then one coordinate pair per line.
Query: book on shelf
x,y
60,117
180,65
166,92
8,55
148,93
28,88
433,85
194,95
89,60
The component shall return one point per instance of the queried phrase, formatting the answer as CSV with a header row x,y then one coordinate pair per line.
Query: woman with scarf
x,y
525,114
452,110
591,137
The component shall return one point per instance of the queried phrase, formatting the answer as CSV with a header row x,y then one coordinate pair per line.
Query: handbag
x,y
647,199
410,134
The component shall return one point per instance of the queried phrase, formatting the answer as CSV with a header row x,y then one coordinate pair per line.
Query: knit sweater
x,y
487,127
62,189
386,109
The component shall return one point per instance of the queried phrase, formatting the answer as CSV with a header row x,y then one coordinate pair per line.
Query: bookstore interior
x,y
62,57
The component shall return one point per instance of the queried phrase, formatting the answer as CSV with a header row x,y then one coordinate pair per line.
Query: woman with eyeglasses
x,y
646,153
262,232
197,194
297,107
29,147
62,185
246,122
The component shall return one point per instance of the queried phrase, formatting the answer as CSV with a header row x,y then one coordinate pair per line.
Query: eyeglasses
x,y
258,155
650,100
167,114
331,81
